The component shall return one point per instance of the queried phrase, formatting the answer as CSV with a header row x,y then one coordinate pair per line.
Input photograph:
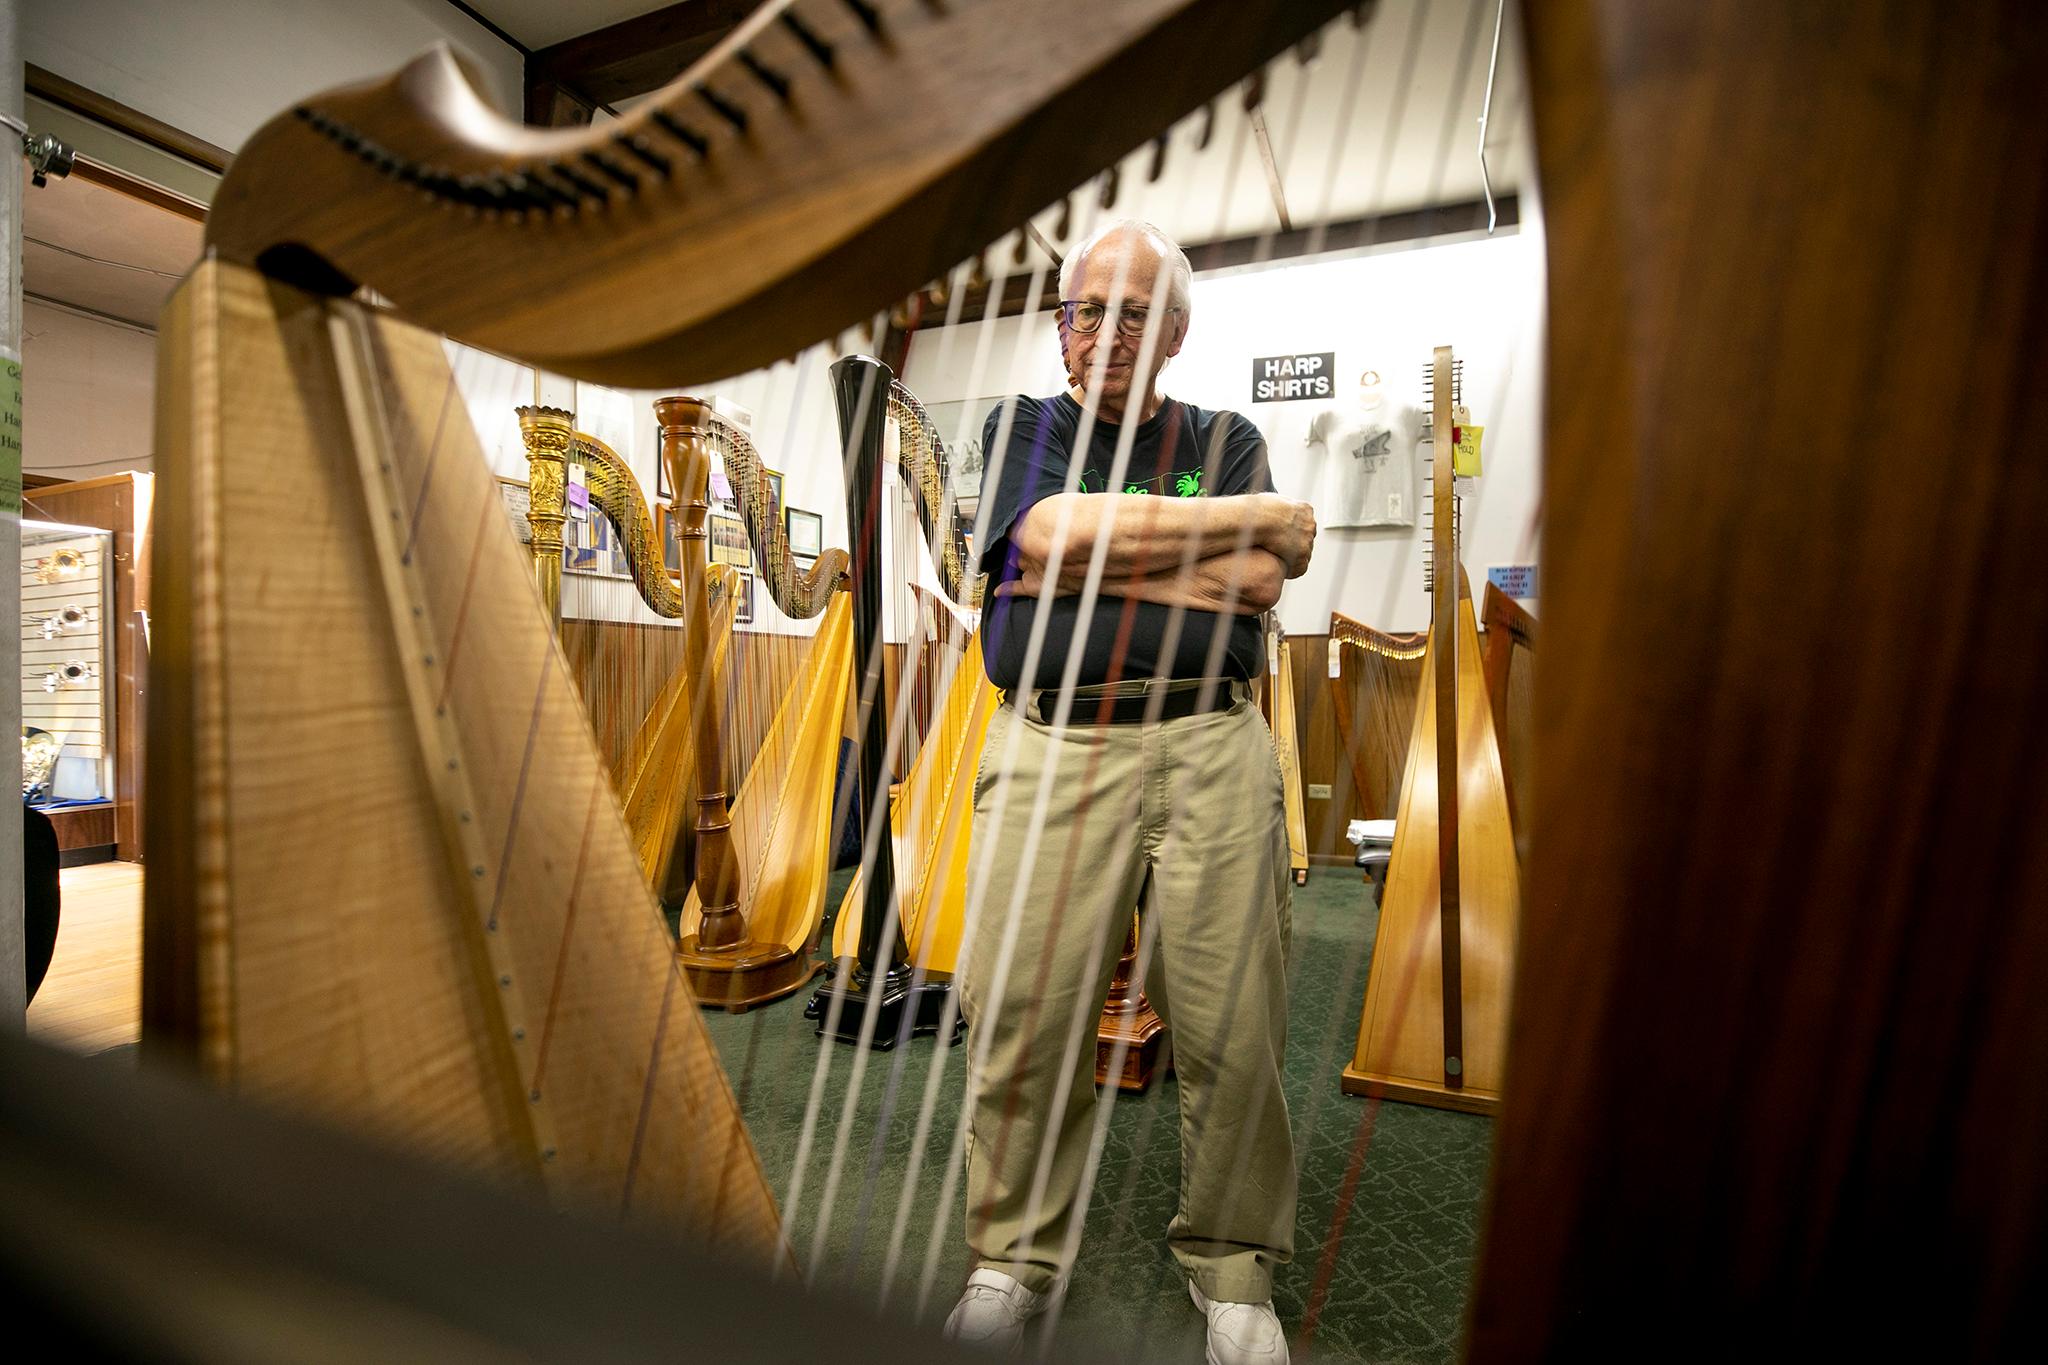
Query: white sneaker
x,y
1242,1333
993,1310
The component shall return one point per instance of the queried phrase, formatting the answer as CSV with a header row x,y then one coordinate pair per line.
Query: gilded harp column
x,y
548,433
686,450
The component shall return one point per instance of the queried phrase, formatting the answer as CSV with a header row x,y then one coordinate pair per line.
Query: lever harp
x,y
1433,1030
395,887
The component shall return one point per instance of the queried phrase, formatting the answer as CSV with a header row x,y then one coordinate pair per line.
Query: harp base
x,y
1465,1101
1146,1053
739,978
908,1011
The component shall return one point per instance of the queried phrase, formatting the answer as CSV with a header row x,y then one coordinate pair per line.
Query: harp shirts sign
x,y
1281,378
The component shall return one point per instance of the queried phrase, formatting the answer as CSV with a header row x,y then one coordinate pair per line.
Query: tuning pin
x,y
1361,14
1309,48
1208,132
1021,252
977,271
1157,167
1254,90
1110,180
939,291
1064,224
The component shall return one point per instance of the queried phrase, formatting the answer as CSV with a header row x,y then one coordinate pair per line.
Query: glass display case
x,y
67,651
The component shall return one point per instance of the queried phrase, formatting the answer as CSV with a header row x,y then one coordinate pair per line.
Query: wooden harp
x,y
364,904
1433,1029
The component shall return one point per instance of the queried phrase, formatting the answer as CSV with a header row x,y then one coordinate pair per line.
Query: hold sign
x,y
1280,378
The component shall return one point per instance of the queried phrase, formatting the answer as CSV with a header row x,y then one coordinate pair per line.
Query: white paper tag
x,y
1273,662
1336,661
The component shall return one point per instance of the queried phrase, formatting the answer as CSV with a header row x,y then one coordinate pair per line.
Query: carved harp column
x,y
686,451
547,432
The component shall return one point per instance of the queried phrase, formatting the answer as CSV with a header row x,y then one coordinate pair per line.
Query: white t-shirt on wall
x,y
1360,469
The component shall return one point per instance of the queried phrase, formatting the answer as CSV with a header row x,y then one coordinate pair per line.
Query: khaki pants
x,y
1184,819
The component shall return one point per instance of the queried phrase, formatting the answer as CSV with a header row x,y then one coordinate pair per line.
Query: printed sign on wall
x,y
1516,580
1282,378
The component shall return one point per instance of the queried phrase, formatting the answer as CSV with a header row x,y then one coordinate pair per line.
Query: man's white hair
x,y
1179,274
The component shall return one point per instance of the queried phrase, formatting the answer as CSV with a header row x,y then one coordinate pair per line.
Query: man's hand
x,y
1152,535
1243,582
1289,532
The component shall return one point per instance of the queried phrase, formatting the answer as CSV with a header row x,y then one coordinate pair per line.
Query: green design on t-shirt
x,y
1185,483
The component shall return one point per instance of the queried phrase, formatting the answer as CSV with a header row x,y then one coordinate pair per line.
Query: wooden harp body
x,y
1434,1026
395,888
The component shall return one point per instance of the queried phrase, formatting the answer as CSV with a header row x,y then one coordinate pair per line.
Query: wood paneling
x,y
620,668
82,827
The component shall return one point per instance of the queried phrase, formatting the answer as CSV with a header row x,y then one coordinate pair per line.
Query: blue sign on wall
x,y
1516,580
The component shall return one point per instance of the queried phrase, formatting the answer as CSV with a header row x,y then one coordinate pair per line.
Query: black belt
x,y
1175,701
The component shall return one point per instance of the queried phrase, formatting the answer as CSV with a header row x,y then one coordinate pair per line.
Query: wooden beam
x,y
1350,234
91,104
636,55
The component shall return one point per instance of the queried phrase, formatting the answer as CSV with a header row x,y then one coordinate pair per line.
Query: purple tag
x,y
721,487
579,496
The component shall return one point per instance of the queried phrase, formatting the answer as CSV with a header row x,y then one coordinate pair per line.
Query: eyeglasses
x,y
1086,318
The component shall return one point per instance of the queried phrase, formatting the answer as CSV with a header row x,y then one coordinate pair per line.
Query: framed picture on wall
x,y
806,532
774,477
743,605
958,424
668,530
518,499
729,544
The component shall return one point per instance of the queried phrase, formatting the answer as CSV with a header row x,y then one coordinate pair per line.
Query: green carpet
x,y
1401,1262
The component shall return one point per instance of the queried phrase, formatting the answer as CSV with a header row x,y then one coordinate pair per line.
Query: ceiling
x,y
542,23
1383,119
142,250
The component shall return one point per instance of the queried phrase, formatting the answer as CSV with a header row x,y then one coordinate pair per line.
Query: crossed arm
x,y
1228,554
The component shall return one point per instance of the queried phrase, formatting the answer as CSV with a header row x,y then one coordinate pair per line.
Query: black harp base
x,y
909,1009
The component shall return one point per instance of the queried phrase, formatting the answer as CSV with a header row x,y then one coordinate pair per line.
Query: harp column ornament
x,y
547,433
686,451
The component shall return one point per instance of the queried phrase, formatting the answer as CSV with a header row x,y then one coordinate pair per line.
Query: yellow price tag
x,y
1465,456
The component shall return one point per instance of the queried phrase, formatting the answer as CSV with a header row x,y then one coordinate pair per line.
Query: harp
x,y
1434,1025
946,684
1375,681
752,914
382,922
1280,712
654,770
1511,689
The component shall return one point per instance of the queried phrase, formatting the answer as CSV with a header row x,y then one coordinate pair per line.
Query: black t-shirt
x,y
1182,451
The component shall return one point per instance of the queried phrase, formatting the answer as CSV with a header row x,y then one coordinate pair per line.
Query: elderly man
x,y
1126,768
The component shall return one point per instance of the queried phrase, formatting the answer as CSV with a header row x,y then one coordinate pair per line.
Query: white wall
x,y
795,429
219,69
86,394
1383,311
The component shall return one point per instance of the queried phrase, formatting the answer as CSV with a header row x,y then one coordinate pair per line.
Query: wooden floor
x,y
92,998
